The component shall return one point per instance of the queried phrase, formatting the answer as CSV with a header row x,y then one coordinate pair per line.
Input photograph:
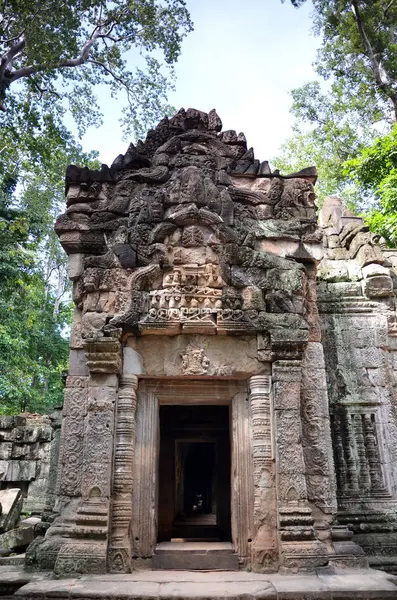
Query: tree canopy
x,y
358,50
34,300
352,104
53,56
54,53
374,171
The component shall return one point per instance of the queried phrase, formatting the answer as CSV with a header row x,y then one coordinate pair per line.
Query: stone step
x,y
195,531
195,556
321,584
16,559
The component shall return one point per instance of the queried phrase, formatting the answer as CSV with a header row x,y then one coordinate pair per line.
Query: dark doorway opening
x,y
194,490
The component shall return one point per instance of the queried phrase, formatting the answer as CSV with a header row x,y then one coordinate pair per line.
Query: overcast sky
x,y
243,58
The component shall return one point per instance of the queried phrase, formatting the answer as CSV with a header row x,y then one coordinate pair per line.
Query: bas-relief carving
x,y
207,260
357,278
175,356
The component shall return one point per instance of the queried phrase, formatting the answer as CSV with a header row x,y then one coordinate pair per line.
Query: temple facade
x,y
233,364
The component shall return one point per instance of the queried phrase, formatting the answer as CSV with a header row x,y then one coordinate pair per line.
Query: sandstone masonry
x,y
201,279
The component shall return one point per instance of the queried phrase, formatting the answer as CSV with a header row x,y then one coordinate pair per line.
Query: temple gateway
x,y
231,399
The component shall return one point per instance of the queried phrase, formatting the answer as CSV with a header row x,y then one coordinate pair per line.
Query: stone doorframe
x,y
244,416
133,516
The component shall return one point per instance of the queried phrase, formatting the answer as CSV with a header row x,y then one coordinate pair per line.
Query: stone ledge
x,y
326,584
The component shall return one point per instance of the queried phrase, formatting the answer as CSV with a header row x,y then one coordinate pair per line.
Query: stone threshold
x,y
326,583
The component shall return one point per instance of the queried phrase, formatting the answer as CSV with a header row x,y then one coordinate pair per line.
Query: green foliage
x,y
52,56
34,293
53,53
326,135
374,171
341,117
359,51
33,351
331,140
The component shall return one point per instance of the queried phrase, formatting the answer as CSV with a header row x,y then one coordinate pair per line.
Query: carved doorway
x,y
153,508
194,473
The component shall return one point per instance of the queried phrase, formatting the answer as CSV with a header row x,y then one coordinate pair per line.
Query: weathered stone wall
x,y
356,286
28,457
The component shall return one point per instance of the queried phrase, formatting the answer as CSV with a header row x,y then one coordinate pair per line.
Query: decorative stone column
x,y
85,549
299,547
119,551
264,549
316,439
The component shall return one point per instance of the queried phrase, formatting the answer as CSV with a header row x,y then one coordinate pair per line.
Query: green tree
x,y
32,348
53,53
374,171
358,49
356,101
326,133
34,299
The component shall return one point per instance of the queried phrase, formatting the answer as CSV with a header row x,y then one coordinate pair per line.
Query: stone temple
x,y
233,361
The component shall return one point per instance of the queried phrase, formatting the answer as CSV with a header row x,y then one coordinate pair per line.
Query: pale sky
x,y
242,58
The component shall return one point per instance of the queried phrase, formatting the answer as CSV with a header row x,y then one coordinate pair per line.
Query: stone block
x,y
19,470
195,556
367,357
75,402
286,372
76,341
378,377
92,323
81,556
313,356
287,423
333,270
5,450
11,505
345,289
286,395
132,362
354,270
101,398
379,286
314,403
375,269
253,298
75,266
314,379
17,539
77,363
289,455
104,380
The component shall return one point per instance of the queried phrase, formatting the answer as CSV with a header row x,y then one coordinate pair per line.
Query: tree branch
x,y
69,62
381,77
10,55
111,73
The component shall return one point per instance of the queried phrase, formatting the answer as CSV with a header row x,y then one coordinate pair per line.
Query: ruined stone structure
x,y
231,368
29,447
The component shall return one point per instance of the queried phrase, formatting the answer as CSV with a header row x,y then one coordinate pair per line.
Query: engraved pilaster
x,y
264,546
299,547
119,552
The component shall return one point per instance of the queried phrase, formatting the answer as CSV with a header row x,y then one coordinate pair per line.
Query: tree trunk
x,y
381,76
